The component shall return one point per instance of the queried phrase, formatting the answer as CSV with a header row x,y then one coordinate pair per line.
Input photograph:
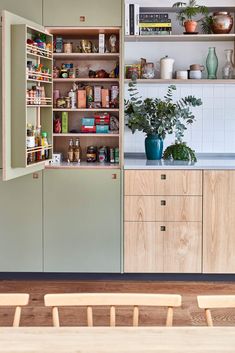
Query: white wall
x,y
214,129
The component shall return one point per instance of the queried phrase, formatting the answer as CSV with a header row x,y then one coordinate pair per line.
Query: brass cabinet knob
x,y
163,202
114,176
35,175
163,228
163,176
82,18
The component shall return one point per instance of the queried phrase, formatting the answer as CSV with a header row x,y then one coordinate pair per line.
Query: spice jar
x,y
91,155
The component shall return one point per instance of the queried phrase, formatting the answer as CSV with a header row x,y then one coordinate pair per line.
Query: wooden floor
x,y
37,315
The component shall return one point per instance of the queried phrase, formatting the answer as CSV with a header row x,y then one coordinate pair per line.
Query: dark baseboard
x,y
117,276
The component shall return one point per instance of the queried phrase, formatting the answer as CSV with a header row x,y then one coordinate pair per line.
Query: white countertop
x,y
204,161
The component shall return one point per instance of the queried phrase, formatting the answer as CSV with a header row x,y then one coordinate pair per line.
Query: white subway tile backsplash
x,y
214,128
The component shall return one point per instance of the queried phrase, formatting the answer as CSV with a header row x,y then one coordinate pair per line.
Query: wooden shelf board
x,y
40,81
175,81
87,56
81,31
85,79
85,135
108,110
39,56
39,106
83,165
182,38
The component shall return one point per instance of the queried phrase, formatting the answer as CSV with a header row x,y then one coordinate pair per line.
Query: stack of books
x,y
146,21
154,24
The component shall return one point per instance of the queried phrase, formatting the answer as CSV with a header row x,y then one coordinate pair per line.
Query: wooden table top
x,y
120,339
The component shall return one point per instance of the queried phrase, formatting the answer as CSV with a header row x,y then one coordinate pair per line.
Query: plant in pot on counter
x,y
158,117
187,14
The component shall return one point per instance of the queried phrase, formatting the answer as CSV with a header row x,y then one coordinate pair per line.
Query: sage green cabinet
x,y
30,9
82,223
21,224
106,13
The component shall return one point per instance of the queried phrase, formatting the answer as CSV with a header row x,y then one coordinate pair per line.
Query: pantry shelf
x,y
83,165
85,135
39,56
86,56
178,81
39,106
40,81
87,110
182,38
85,79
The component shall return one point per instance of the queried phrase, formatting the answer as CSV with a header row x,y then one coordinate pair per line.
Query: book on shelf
x,y
155,25
132,19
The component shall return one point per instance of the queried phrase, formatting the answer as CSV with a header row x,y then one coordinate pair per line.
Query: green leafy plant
x,y
206,24
155,116
189,11
180,152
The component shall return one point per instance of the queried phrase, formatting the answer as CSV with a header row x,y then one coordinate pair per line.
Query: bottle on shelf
x,y
38,143
70,151
44,144
77,151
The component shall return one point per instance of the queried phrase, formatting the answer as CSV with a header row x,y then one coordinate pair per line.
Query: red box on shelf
x,y
88,129
102,119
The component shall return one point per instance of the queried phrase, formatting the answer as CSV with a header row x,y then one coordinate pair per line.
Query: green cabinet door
x,y
103,13
82,220
30,9
21,224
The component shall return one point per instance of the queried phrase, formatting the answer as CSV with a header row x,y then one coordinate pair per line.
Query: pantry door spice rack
x,y
94,61
37,112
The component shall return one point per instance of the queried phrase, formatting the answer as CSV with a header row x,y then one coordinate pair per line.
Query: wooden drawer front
x,y
163,182
163,208
142,250
182,246
139,208
178,208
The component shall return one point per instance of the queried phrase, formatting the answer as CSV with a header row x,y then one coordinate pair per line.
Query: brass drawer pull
x,y
163,176
35,175
163,228
82,18
163,202
114,176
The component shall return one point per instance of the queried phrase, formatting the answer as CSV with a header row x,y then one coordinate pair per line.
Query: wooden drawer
x,y
163,182
169,247
163,208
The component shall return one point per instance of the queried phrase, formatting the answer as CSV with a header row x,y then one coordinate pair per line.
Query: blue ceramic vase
x,y
153,147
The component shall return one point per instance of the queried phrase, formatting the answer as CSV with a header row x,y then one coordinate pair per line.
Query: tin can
x,y
111,155
101,155
116,155
59,45
91,154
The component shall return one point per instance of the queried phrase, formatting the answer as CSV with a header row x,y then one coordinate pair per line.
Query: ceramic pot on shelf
x,y
222,22
166,68
153,147
190,26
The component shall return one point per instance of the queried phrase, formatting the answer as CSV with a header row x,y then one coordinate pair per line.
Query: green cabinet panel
x,y
82,220
104,13
21,224
30,9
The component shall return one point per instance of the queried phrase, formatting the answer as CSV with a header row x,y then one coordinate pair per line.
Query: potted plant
x,y
179,151
158,117
187,14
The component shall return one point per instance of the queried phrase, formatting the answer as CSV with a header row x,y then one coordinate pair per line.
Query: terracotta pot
x,y
222,23
190,26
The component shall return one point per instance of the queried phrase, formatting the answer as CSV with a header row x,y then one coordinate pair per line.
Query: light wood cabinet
x,y
219,221
82,13
143,249
163,247
163,221
163,182
163,208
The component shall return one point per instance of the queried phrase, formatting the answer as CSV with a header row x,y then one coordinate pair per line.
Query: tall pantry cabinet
x,y
67,233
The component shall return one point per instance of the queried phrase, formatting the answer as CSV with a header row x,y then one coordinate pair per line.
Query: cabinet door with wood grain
x,y
219,221
182,242
142,248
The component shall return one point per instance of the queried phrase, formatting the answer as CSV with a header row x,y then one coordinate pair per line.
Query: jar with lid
x,y
91,154
68,47
148,70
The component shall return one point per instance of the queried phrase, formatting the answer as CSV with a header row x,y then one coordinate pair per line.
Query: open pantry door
x,y
26,124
